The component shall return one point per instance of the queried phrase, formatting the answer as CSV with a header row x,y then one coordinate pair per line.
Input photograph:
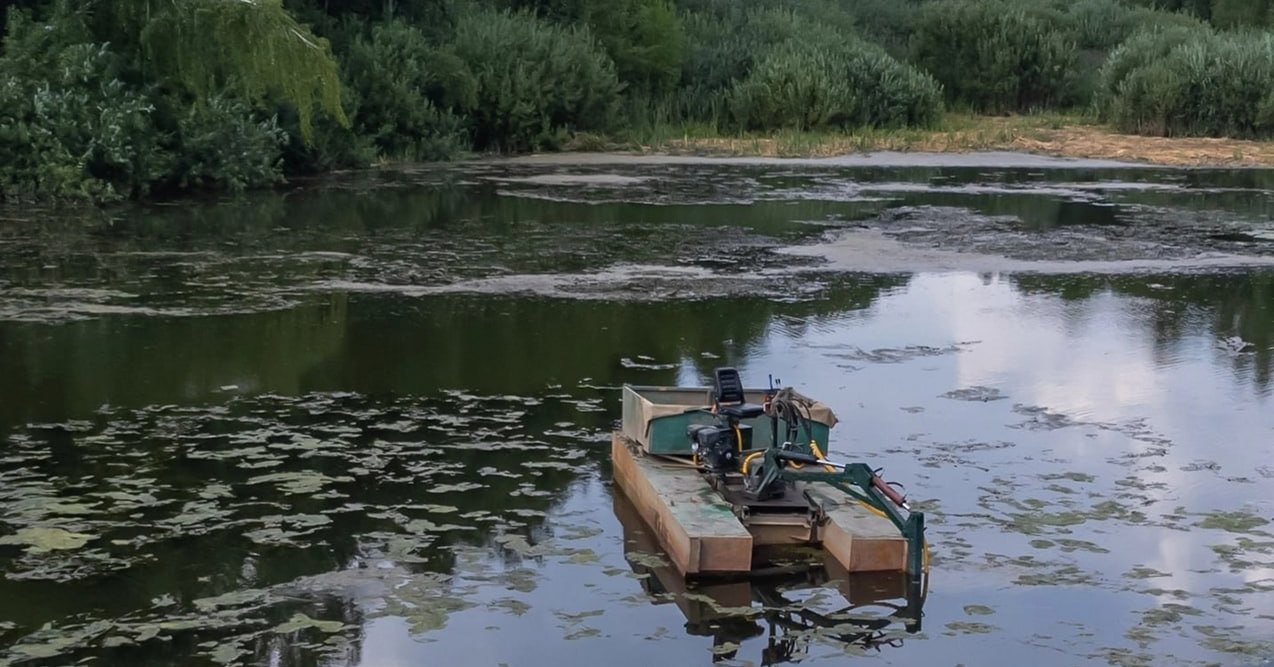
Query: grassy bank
x,y
1057,134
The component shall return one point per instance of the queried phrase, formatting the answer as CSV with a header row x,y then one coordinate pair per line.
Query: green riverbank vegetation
x,y
103,100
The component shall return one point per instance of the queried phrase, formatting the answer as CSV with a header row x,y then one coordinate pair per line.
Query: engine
x,y
716,446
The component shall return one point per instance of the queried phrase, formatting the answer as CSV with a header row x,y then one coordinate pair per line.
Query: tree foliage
x,y
995,56
405,91
644,38
856,85
536,81
103,99
1192,83
252,48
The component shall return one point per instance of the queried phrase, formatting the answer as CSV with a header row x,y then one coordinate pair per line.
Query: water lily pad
x,y
49,649
512,605
455,488
437,509
1234,522
227,653
583,556
43,540
427,526
581,633
724,648
969,628
300,621
296,483
646,559
231,599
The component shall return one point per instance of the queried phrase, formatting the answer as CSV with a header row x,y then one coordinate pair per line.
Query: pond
x,y
366,421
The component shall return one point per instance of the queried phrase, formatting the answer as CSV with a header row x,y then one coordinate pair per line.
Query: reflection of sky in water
x,y
1092,361
1172,435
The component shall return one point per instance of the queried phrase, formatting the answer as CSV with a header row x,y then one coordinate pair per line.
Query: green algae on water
x,y
1234,522
300,621
40,540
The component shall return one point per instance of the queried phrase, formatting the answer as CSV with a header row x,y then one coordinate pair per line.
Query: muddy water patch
x,y
626,283
492,226
952,239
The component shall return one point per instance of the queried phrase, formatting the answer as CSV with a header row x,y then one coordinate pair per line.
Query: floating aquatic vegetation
x,y
42,540
300,621
298,483
969,628
512,605
643,362
426,601
1042,419
261,475
1234,522
1145,573
895,355
975,393
1064,575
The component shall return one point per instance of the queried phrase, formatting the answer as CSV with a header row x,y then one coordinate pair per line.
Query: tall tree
x,y
254,48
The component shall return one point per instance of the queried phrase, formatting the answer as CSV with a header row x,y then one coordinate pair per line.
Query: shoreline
x,y
1040,136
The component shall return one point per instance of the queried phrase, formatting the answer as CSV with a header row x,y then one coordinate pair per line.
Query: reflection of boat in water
x,y
874,609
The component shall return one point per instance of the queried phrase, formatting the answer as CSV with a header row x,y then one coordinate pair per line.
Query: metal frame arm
x,y
858,480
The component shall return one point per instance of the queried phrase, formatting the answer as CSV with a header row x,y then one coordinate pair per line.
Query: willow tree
x,y
254,48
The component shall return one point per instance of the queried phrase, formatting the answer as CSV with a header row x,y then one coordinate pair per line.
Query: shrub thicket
x,y
1096,27
404,92
644,38
71,126
536,81
1192,83
1242,13
116,99
726,41
994,56
856,85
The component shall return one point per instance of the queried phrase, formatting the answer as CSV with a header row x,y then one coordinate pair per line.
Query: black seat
x,y
729,396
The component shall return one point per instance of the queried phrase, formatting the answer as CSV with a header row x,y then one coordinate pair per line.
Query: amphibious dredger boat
x,y
719,472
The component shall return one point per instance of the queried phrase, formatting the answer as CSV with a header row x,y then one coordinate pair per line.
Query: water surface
x,y
366,422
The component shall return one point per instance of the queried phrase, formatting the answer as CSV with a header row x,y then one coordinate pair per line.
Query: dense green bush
x,y
644,38
856,85
74,126
1096,27
221,144
725,42
1192,83
1199,8
1105,24
1142,49
1243,13
888,23
536,82
404,91
995,56
69,126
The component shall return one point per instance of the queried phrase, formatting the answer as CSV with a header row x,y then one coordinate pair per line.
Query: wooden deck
x,y
701,534
861,540
695,526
